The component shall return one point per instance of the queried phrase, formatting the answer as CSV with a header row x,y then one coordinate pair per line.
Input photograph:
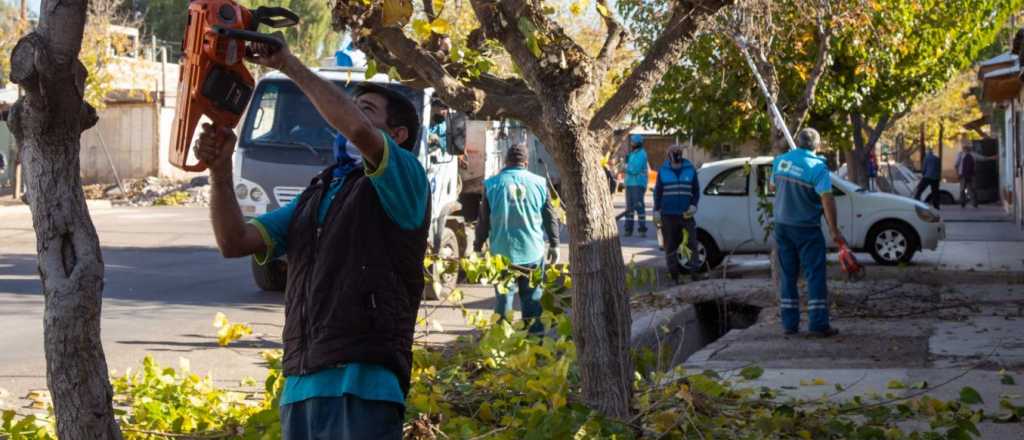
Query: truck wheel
x,y
270,277
449,250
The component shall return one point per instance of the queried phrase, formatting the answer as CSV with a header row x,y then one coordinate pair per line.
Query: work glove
x,y
553,255
691,212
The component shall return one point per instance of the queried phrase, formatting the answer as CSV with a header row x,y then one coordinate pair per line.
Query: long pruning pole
x,y
780,123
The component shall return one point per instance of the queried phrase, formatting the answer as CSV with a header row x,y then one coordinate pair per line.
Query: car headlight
x,y
927,214
241,191
256,194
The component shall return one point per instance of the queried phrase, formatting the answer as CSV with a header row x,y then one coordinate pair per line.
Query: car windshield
x,y
280,115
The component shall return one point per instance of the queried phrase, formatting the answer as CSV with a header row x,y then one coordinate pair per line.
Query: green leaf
x,y
970,396
895,385
1007,379
752,372
371,68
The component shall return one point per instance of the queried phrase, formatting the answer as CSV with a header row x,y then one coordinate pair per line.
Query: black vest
x,y
354,283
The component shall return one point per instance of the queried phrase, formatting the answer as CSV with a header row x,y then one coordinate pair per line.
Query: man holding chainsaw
x,y
676,194
803,188
355,242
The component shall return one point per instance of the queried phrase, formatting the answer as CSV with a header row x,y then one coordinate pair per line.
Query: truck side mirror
x,y
456,134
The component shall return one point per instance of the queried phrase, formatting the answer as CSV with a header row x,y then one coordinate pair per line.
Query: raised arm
x,y
235,237
333,103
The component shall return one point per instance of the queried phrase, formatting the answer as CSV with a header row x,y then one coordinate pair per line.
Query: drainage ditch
x,y
666,338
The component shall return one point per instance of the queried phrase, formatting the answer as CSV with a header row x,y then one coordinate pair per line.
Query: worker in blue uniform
x,y
803,188
676,194
636,185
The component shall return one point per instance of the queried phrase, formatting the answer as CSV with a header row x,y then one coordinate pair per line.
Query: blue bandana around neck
x,y
348,156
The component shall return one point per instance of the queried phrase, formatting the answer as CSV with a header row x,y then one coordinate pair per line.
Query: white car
x,y
729,220
897,178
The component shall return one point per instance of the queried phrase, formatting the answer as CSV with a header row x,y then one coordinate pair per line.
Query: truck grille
x,y
285,194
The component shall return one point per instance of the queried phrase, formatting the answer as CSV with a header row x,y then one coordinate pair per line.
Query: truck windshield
x,y
280,115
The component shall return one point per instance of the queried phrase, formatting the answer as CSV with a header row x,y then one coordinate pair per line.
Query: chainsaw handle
x,y
251,36
197,168
275,17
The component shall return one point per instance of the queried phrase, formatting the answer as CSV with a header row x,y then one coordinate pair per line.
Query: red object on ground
x,y
214,81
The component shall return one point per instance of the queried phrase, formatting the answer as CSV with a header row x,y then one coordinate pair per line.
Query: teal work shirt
x,y
402,186
636,168
800,179
516,199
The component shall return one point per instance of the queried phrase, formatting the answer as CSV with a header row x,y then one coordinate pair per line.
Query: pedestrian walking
x,y
518,219
931,173
676,195
872,171
803,193
636,185
355,240
965,166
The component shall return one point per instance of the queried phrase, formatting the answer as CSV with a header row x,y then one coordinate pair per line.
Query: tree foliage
x,y
11,28
885,55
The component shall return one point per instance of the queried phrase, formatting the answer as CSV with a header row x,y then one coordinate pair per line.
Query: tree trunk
x,y
47,123
600,310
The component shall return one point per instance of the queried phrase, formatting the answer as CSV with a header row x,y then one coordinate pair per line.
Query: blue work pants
x,y
529,299
802,247
635,206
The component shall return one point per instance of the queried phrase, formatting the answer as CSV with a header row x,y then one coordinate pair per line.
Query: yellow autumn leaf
x,y
576,8
440,26
421,28
396,13
603,10
220,320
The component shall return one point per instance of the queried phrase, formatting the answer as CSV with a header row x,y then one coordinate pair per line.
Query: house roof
x,y
999,59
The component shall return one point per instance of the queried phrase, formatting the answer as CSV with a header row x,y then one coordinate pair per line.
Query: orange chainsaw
x,y
214,82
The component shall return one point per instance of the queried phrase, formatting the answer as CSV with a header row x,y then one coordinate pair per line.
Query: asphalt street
x,y
165,282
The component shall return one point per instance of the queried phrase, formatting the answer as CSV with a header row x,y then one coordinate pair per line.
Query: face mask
x,y
677,157
348,156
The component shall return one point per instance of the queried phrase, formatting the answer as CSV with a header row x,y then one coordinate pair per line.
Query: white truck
x,y
272,167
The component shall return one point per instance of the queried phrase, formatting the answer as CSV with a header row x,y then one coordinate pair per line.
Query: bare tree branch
x,y
498,20
616,36
803,107
489,97
665,51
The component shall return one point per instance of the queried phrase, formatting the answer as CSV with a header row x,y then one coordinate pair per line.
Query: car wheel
x,y
449,251
270,277
891,243
707,249
946,198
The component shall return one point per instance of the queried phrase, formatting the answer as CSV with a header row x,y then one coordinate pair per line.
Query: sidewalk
x,y
884,355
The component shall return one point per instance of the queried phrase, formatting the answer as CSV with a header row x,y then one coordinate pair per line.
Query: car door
x,y
844,216
726,202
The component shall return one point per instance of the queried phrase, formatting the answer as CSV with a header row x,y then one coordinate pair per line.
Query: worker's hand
x,y
214,148
553,255
269,56
837,238
691,212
